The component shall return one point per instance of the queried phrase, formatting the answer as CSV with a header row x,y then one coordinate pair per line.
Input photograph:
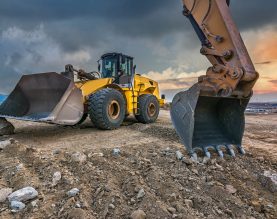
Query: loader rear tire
x,y
149,108
106,109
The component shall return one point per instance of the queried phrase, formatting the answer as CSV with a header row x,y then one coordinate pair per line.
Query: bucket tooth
x,y
241,149
207,153
219,151
230,151
194,156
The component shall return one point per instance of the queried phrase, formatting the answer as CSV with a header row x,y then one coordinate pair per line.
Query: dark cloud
x,y
134,27
147,12
253,14
75,24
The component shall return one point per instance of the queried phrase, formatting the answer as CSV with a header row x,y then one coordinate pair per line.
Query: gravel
x,y
140,194
73,192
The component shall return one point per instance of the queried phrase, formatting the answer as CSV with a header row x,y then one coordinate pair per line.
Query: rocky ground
x,y
78,173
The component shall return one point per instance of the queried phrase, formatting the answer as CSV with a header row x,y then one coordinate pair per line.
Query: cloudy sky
x,y
44,35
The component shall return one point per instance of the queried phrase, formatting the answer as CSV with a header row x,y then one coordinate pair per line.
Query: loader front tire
x,y
84,117
107,109
149,108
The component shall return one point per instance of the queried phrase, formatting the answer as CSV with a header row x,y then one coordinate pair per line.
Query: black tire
x,y
84,117
149,108
106,109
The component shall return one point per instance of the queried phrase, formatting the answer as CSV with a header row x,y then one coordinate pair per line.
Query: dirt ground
x,y
110,185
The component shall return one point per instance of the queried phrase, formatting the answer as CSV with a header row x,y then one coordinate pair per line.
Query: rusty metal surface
x,y
233,72
46,97
210,115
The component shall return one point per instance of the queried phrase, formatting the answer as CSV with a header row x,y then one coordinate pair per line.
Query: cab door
x,y
125,70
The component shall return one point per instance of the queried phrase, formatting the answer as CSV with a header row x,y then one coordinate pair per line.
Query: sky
x,y
44,35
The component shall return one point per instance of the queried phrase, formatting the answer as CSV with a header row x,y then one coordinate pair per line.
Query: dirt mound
x,y
145,175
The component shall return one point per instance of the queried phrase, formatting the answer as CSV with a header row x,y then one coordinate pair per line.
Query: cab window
x,y
126,66
108,67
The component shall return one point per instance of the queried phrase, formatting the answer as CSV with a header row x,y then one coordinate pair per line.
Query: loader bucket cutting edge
x,y
205,122
46,97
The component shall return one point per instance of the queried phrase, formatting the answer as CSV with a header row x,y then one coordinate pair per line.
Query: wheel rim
x,y
151,109
114,109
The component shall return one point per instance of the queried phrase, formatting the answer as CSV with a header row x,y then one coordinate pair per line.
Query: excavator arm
x,y
211,113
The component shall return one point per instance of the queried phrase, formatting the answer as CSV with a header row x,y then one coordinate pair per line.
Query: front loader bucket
x,y
205,122
46,97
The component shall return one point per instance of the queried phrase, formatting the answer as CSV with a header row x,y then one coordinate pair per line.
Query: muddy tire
x,y
149,108
106,109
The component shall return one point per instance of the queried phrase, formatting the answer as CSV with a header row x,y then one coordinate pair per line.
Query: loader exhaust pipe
x,y
207,122
46,97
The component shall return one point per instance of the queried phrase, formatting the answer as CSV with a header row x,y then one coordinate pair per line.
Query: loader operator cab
x,y
117,66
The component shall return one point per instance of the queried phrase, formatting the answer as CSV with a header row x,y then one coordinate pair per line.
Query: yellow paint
x,y
141,85
90,87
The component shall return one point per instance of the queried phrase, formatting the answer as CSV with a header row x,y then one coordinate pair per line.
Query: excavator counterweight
x,y
210,115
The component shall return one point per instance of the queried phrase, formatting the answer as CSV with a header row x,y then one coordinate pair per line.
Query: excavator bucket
x,y
46,97
204,123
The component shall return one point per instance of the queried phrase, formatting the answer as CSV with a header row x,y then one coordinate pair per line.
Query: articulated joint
x,y
227,55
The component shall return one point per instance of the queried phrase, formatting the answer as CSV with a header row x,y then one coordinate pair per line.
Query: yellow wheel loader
x,y
106,96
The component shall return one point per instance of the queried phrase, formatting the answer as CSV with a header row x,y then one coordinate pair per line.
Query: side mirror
x,y
135,68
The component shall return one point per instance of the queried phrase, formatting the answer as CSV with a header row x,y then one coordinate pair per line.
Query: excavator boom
x,y
211,113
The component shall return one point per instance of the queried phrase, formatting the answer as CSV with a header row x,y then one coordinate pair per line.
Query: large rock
x,y
6,128
24,194
179,155
188,203
77,213
230,189
138,214
73,192
56,178
116,152
17,206
269,181
79,157
4,144
141,194
4,193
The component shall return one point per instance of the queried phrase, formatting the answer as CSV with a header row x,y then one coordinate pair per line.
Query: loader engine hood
x,y
45,97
